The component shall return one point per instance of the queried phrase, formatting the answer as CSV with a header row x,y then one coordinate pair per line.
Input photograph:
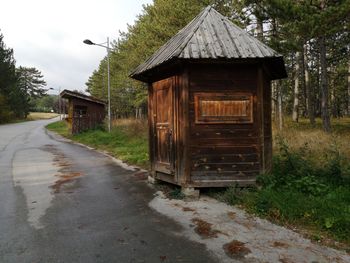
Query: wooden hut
x,y
209,104
84,112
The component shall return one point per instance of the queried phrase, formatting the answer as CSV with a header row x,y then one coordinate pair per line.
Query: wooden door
x,y
164,126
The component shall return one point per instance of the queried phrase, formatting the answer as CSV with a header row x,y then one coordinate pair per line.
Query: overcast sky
x,y
48,35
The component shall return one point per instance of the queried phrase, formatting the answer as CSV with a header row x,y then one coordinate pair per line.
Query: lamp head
x,y
88,42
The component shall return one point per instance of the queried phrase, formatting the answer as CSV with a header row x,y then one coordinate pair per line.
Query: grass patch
x,y
127,140
301,134
59,127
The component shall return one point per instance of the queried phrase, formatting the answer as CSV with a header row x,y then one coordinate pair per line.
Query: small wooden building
x,y
210,104
84,112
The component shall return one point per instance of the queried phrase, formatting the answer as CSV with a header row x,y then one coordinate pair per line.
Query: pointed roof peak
x,y
210,35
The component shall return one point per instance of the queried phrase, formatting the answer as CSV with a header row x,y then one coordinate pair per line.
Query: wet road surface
x,y
61,202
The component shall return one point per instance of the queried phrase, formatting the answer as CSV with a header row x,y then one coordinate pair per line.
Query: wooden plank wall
x,y
151,130
224,152
95,114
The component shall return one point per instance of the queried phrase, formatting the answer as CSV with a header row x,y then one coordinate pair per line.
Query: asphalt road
x,y
61,202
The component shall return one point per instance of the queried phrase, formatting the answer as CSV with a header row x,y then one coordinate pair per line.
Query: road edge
x,y
119,162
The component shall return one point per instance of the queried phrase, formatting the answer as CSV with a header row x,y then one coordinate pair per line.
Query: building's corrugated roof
x,y
210,35
67,94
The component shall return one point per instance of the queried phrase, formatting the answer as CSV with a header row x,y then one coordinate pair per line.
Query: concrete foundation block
x,y
151,180
190,193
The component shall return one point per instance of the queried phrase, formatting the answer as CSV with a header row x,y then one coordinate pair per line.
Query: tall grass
x,y
301,134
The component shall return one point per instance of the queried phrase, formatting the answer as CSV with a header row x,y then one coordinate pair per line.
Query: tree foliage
x,y
31,81
153,27
17,86
317,30
8,79
46,103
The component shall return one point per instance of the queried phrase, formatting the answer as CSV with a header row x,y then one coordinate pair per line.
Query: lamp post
x,y
59,101
89,42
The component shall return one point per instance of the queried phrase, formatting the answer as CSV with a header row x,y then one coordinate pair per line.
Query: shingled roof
x,y
210,35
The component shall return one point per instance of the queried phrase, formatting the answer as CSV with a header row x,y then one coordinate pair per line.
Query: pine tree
x,y
31,81
7,82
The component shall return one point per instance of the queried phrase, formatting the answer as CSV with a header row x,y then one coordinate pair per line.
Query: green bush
x,y
6,115
300,191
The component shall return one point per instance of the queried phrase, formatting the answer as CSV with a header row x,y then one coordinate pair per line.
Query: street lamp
x,y
59,101
89,42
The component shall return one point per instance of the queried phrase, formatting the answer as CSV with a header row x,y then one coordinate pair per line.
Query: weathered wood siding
x,y
162,112
95,114
219,117
221,152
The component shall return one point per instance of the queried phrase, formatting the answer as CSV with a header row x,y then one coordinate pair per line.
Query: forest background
x,y
313,36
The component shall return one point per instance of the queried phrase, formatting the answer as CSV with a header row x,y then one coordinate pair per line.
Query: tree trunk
x,y
309,89
349,89
259,30
259,23
318,87
334,103
303,84
296,89
333,107
324,86
279,106
274,100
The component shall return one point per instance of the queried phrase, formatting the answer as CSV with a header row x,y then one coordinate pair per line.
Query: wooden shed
x,y
209,104
84,112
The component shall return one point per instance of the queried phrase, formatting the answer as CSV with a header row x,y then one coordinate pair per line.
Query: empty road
x,y
61,202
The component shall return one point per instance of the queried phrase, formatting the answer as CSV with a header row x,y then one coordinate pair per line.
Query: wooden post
x,y
260,113
151,128
184,161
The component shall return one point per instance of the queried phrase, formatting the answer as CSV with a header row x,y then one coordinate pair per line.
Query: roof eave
x,y
275,66
71,94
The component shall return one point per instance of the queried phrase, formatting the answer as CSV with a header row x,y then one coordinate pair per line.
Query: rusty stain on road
x,y
280,244
204,229
65,174
188,209
236,249
41,173
64,178
231,215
